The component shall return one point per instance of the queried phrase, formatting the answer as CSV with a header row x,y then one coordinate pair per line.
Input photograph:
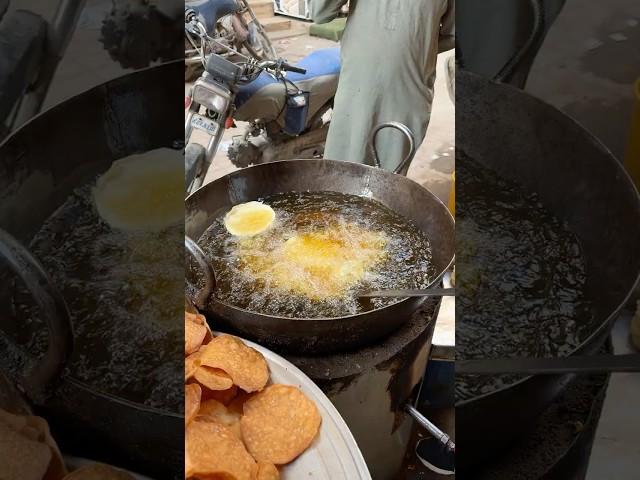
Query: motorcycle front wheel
x,y
258,43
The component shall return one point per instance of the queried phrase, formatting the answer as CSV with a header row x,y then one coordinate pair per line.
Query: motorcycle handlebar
x,y
282,65
291,68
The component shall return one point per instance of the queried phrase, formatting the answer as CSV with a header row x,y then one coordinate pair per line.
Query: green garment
x,y
389,51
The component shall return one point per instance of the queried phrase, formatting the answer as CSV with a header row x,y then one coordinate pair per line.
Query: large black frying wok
x,y
581,182
322,335
40,165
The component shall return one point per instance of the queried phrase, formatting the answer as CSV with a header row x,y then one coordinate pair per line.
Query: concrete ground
x,y
586,68
588,64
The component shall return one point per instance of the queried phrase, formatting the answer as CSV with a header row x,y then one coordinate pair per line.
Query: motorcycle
x,y
234,24
287,107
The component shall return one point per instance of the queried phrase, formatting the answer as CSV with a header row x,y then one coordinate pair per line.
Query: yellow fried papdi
x,y
267,471
211,448
279,424
192,394
249,219
212,378
247,367
191,364
98,471
194,334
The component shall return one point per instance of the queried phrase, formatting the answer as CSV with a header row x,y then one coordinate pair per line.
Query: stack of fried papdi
x,y
29,452
236,426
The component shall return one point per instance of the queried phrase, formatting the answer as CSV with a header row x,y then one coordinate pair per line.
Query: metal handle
x,y
425,423
506,73
429,292
586,364
404,130
430,427
38,383
196,252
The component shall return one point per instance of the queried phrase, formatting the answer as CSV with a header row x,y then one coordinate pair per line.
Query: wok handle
x,y
425,423
405,131
201,298
506,73
39,382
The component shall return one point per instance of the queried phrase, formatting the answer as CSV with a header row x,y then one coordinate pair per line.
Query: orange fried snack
x,y
267,471
279,424
247,367
194,333
191,364
236,426
192,394
212,378
211,448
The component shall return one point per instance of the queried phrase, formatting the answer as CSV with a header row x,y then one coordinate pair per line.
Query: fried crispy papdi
x,y
247,367
279,424
237,427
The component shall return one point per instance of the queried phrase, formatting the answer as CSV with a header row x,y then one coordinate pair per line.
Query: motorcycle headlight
x,y
210,99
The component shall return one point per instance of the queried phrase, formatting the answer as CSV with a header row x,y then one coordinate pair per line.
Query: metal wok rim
x,y
626,178
120,400
64,102
368,168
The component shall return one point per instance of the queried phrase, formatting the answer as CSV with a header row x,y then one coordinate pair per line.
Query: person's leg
x,y
389,59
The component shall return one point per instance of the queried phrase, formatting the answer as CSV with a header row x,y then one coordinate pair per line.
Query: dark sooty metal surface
x,y
559,445
322,336
521,273
376,248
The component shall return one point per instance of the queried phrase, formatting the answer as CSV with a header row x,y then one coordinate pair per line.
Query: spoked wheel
x,y
258,43
192,64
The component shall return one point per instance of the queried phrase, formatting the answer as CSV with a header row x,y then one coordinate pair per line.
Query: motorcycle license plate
x,y
203,123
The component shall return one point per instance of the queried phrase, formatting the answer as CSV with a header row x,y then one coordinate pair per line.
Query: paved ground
x,y
587,66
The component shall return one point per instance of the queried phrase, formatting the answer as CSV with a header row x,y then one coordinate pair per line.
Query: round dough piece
x,y
142,192
249,219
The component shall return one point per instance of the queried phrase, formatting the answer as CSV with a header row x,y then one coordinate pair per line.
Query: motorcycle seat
x,y
210,11
321,63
